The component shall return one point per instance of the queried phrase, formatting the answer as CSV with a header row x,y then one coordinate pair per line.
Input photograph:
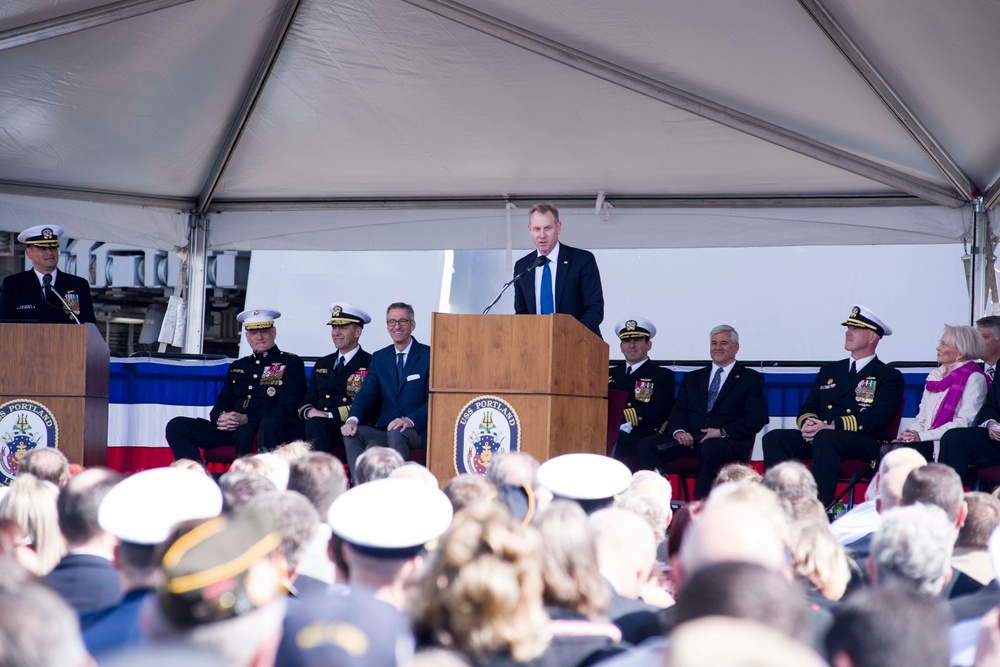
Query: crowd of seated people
x,y
282,562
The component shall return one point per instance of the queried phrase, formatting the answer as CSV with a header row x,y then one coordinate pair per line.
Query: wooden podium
x,y
550,369
64,367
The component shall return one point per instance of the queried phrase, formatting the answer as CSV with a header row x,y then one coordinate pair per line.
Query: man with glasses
x,y
398,376
260,398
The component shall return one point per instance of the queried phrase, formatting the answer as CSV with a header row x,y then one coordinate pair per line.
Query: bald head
x,y
891,489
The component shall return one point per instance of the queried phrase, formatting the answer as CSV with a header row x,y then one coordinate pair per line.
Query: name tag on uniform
x,y
415,376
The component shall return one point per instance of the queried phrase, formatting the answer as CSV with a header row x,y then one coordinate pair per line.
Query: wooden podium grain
x,y
550,368
66,368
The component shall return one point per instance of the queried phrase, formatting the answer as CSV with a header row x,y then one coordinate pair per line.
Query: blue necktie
x,y
713,389
547,307
399,366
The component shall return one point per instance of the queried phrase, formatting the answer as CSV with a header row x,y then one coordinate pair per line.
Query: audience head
x,y
570,567
320,477
32,503
748,591
37,628
249,464
736,472
78,506
514,468
887,627
937,484
221,589
989,329
294,450
294,519
912,549
416,471
239,488
818,557
276,469
46,463
592,480
982,520
891,489
482,592
468,488
650,495
791,480
901,457
747,644
189,464
626,549
14,543
376,463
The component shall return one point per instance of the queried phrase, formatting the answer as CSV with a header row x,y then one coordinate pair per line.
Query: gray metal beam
x,y
694,104
992,195
101,197
938,155
197,259
82,20
570,201
247,106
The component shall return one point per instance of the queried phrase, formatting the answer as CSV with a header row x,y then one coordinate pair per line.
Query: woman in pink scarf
x,y
954,391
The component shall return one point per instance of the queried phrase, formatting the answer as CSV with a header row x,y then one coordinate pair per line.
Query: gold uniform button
x,y
848,412
250,387
254,376
328,395
257,361
829,407
344,399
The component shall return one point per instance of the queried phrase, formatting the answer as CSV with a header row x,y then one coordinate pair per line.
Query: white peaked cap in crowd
x,y
584,477
144,508
390,518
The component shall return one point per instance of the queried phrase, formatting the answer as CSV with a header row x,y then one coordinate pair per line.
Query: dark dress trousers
x,y
650,390
578,288
332,392
740,409
861,407
86,582
22,298
972,447
265,386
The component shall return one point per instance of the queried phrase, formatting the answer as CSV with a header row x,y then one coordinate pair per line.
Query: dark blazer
x,y
86,582
334,392
740,408
578,287
407,400
866,403
650,395
22,299
991,406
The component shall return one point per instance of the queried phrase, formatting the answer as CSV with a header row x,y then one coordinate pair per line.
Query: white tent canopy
x,y
356,124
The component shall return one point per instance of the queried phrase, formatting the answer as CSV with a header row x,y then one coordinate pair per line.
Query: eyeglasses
x,y
392,323
944,343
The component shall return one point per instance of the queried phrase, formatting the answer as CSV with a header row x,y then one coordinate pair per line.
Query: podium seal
x,y
485,426
24,425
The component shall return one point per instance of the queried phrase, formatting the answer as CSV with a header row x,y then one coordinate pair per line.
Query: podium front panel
x,y
547,426
82,426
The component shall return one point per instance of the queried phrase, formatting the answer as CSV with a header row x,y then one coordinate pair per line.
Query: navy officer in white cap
x,y
34,295
336,379
849,410
650,388
592,480
260,398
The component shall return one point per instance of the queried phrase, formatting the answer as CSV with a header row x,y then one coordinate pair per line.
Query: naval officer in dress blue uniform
x,y
849,410
260,397
650,387
336,378
34,295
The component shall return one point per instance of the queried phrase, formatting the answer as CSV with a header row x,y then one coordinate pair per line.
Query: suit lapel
x,y
348,368
411,362
528,288
565,256
727,386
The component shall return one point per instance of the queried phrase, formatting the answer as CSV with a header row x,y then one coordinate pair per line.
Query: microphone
x,y
541,259
48,289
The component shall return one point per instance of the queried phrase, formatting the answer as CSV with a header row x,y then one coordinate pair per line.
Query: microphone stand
x,y
63,302
538,262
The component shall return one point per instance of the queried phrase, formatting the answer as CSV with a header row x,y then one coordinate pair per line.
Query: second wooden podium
x,y
539,380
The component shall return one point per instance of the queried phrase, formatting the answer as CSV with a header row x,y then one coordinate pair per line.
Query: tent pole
x,y
197,261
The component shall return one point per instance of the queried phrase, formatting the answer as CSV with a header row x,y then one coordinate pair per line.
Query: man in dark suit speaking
x,y
398,376
566,281
718,411
44,293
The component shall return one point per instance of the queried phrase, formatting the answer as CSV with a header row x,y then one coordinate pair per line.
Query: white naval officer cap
x,y
145,507
636,327
41,236
258,318
390,518
345,313
592,480
862,316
